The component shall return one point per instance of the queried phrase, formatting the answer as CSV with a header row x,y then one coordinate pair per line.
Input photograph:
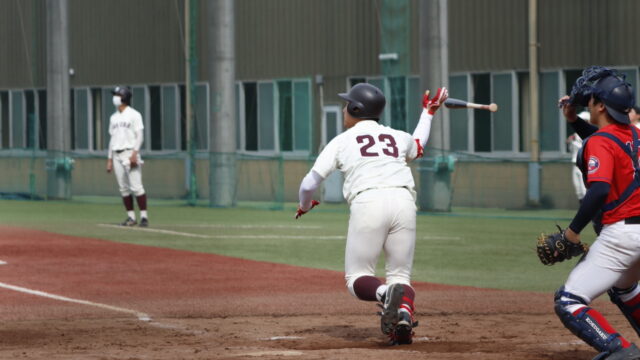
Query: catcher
x,y
609,164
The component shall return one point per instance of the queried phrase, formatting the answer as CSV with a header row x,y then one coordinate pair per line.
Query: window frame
x,y
241,118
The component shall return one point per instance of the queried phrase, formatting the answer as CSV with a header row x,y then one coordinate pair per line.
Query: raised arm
x,y
430,106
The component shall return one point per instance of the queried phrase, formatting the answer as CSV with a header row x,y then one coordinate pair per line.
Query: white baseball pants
x,y
129,179
612,260
381,220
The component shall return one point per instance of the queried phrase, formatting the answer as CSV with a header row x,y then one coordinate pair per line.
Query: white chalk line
x,y
275,338
224,226
160,231
140,315
254,236
3,262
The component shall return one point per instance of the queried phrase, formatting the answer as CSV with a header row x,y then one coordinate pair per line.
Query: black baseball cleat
x,y
129,222
144,222
392,300
404,329
630,353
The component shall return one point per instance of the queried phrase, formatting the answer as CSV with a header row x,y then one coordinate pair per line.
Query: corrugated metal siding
x,y
122,41
487,35
299,38
22,29
579,33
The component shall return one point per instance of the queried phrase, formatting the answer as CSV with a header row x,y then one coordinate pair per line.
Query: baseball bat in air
x,y
461,104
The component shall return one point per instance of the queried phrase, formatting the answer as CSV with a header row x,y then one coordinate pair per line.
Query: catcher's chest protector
x,y
631,151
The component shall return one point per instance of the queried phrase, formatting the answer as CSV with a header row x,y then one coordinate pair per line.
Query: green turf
x,y
479,247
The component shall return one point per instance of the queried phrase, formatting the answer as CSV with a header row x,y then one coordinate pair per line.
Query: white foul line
x,y
179,233
140,315
3,262
168,232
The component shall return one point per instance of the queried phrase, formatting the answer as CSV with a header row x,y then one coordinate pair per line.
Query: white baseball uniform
x,y
379,187
126,131
575,145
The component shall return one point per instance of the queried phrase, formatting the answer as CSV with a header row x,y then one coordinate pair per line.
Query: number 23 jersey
x,y
370,156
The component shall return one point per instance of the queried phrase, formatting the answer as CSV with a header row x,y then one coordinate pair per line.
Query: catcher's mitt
x,y
555,248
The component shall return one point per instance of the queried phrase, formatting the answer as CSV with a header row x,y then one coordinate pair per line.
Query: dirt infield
x,y
65,297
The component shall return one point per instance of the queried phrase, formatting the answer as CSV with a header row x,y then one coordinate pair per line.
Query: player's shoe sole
x,y
404,330
389,318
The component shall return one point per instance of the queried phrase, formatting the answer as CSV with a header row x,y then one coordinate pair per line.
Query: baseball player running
x,y
126,131
379,188
609,163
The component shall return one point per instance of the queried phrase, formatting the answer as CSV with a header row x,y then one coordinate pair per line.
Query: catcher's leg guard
x,y
628,300
587,323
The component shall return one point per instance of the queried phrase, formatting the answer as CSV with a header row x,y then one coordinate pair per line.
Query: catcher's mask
x,y
365,101
124,92
608,86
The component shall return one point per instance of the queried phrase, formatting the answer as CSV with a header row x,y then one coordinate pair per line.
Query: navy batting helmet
x,y
124,92
365,101
608,86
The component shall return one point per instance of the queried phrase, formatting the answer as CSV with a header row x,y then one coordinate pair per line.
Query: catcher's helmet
x,y
124,92
365,101
608,86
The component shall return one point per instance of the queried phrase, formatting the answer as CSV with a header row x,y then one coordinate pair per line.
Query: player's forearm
x,y
110,150
583,128
423,129
308,186
591,204
139,140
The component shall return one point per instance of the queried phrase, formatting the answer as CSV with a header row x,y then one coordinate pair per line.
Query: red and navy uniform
x,y
605,160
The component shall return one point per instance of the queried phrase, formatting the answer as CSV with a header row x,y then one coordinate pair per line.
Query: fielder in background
x,y
379,188
575,144
126,131
609,162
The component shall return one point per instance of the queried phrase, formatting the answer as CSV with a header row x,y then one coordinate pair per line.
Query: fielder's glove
x,y
554,248
300,212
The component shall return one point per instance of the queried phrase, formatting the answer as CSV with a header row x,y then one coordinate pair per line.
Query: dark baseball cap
x,y
617,96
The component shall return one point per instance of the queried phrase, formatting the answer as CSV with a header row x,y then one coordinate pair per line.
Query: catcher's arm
x,y
308,186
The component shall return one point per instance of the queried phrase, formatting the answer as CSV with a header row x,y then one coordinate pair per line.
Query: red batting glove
x,y
300,212
432,105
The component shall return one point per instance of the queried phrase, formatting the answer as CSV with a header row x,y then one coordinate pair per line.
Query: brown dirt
x,y
206,306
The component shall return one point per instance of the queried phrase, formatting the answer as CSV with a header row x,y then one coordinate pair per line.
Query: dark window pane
x,y
155,117
398,102
17,119
482,126
201,114
459,119
251,116
183,118
32,132
503,120
42,119
4,115
302,114
549,114
286,120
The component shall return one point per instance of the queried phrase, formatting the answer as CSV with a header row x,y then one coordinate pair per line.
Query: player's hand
x,y
109,165
133,160
568,110
432,105
300,212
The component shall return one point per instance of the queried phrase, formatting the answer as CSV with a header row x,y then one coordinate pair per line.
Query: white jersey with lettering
x,y
371,156
125,128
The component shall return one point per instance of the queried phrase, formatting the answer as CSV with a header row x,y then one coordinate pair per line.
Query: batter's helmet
x,y
608,86
124,92
365,101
